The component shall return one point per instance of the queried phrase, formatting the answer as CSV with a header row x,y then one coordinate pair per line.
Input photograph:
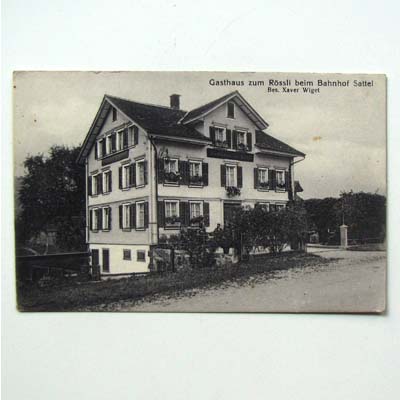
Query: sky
x,y
342,130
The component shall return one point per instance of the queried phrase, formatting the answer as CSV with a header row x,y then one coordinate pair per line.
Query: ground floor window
x,y
195,211
172,212
264,205
279,207
127,254
141,255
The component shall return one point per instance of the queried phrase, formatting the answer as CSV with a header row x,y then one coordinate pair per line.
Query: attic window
x,y
231,110
114,114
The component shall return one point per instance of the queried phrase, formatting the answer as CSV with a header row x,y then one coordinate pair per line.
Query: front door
x,y
229,211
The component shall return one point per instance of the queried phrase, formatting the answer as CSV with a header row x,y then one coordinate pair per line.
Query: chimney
x,y
174,101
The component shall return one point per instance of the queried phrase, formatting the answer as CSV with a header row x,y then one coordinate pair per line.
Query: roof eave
x,y
281,153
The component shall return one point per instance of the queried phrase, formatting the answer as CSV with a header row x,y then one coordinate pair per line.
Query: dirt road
x,y
354,282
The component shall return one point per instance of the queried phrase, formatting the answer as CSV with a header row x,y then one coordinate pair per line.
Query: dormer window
x,y
231,109
114,114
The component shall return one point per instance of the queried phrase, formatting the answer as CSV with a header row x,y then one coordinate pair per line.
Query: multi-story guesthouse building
x,y
153,169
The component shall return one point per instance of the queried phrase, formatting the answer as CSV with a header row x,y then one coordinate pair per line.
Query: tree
x,y
52,196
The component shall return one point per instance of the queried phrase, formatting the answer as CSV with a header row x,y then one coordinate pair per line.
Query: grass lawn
x,y
70,295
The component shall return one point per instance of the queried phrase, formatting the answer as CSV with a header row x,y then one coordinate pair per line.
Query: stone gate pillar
x,y
343,236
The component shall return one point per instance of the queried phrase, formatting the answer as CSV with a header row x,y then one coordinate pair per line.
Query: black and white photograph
x,y
200,192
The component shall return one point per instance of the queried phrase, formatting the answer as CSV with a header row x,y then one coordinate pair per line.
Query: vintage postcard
x,y
200,191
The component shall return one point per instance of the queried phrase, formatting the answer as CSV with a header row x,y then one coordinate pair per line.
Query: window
x,y
263,178
195,210
140,178
107,182
126,254
264,205
220,137
97,184
126,216
140,215
172,212
195,173
96,219
125,176
171,172
230,175
279,207
108,144
106,219
120,140
280,180
231,110
141,255
241,140
114,114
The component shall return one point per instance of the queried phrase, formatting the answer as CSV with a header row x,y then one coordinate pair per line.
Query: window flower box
x,y
232,191
172,177
281,185
242,147
197,221
263,185
172,221
221,143
196,180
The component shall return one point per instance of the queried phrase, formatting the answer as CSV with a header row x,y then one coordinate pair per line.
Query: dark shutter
x,y
89,185
184,213
205,173
249,141
161,213
125,138
132,222
103,147
212,134
183,167
206,213
160,168
120,216
120,177
146,215
113,142
99,179
96,151
106,260
145,172
234,140
223,175
99,218
110,181
135,134
239,177
273,179
255,178
229,138
91,220
109,218
287,181
132,175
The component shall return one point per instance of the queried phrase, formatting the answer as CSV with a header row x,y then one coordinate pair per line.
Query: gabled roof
x,y
267,142
235,96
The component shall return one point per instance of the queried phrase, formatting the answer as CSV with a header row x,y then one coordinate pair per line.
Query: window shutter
x,y
120,177
223,175
89,185
100,218
125,138
205,173
160,167
184,213
161,213
255,178
146,215
135,135
287,181
103,147
132,175
273,179
113,142
249,141
206,213
120,216
91,220
234,140
239,177
100,183
132,223
110,181
212,134
145,172
229,138
96,151
109,218
183,168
